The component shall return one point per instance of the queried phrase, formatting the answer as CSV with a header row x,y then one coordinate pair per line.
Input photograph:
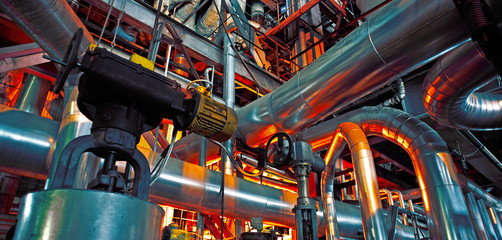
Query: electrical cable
x,y
237,166
106,22
200,80
164,158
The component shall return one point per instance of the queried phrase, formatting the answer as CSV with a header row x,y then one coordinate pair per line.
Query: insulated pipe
x,y
50,23
448,91
181,184
366,59
33,95
25,141
496,222
366,180
229,97
210,20
444,204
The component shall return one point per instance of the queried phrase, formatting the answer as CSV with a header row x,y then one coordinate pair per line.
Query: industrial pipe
x,y
441,191
485,218
50,23
448,91
366,59
181,184
479,193
475,216
366,180
33,95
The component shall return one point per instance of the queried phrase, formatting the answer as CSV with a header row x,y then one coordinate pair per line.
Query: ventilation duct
x,y
444,203
210,20
449,95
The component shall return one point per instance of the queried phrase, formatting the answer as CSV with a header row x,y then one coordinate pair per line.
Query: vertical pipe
x,y
401,204
342,178
365,176
496,222
387,193
202,163
229,94
475,216
485,217
33,95
73,124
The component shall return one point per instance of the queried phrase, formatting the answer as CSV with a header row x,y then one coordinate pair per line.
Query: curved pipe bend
x,y
445,206
366,179
448,92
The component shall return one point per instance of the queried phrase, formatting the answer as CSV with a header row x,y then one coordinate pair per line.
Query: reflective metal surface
x,y
33,95
87,214
73,124
365,60
477,222
479,193
485,218
446,209
228,96
366,180
50,23
25,141
449,95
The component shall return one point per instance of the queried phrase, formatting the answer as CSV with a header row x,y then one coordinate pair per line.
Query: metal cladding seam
x,y
448,91
26,140
366,180
444,203
50,23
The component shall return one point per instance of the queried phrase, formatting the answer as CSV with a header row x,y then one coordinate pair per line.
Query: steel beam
x,y
142,16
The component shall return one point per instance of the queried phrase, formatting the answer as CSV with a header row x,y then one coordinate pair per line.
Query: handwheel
x,y
70,60
280,153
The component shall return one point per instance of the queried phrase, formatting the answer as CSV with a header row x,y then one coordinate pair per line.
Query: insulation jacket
x,y
449,96
444,203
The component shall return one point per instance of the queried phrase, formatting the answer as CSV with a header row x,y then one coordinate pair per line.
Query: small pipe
x,y
401,204
388,194
229,96
485,218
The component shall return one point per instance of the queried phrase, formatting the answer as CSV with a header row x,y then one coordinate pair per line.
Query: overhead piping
x,y
366,180
441,191
50,23
449,95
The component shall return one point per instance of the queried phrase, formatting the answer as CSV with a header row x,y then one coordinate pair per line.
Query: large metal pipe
x,y
366,59
444,204
33,95
449,96
50,23
25,141
184,185
366,180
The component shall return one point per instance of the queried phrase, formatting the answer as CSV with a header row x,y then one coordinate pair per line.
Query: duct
x,y
25,141
366,180
50,23
210,20
181,184
33,95
449,96
258,13
443,199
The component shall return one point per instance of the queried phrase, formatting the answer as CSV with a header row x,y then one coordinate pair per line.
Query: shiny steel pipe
x,y
448,91
181,184
443,199
485,218
25,141
50,23
73,124
366,180
388,194
496,222
365,60
402,204
33,95
479,193
229,97
475,216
